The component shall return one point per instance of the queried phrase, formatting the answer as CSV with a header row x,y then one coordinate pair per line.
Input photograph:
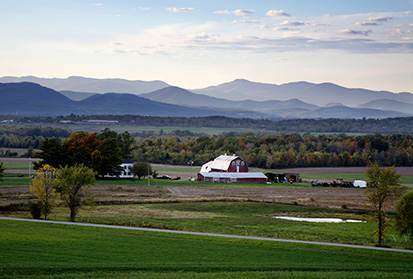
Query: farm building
x,y
126,172
232,177
283,177
127,166
229,169
225,163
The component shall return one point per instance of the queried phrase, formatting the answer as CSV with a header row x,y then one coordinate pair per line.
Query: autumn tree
x,y
42,186
73,185
404,214
381,192
80,146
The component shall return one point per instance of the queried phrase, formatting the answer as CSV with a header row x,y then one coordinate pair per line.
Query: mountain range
x,y
318,94
31,99
239,98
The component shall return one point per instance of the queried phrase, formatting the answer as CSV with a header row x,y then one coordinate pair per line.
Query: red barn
x,y
229,169
225,163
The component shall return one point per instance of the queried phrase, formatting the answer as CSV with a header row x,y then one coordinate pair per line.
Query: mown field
x,y
235,218
37,250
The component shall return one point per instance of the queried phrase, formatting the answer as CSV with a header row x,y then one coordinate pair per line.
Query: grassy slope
x,y
238,218
45,249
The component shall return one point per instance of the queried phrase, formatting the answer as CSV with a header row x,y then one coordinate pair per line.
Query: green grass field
x,y
236,218
35,250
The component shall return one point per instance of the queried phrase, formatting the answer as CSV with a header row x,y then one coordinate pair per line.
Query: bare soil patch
x,y
109,195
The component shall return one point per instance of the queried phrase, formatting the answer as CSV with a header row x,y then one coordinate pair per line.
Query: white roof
x,y
207,167
220,163
234,174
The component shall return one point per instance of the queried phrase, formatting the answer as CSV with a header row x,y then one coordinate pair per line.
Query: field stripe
x,y
207,234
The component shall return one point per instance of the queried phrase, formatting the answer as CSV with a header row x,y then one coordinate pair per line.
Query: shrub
x,y
35,210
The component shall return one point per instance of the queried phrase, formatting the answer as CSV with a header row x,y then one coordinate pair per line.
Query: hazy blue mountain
x,y
180,96
35,100
93,85
76,96
385,104
319,94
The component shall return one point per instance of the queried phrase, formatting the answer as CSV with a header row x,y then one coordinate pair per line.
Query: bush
x,y
35,210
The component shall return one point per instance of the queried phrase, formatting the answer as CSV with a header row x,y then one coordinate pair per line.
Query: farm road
x,y
207,234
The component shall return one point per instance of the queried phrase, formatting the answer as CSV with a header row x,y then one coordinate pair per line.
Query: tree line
x,y
26,137
282,151
399,125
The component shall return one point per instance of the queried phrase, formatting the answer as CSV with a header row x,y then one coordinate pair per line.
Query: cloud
x,y
237,12
356,32
292,23
201,36
285,29
275,13
246,21
380,19
179,10
144,8
368,23
97,4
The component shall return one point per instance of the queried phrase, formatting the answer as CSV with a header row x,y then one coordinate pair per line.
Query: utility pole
x,y
148,175
191,162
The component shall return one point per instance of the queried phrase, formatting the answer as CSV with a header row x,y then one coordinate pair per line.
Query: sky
x,y
195,44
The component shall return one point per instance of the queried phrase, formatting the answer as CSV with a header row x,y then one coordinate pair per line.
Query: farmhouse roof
x,y
219,163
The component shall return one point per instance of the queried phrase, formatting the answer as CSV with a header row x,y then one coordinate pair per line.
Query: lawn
x,y
62,251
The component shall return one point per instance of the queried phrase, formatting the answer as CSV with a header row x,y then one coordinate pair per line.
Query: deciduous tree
x,y
141,169
73,185
42,186
404,214
381,192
